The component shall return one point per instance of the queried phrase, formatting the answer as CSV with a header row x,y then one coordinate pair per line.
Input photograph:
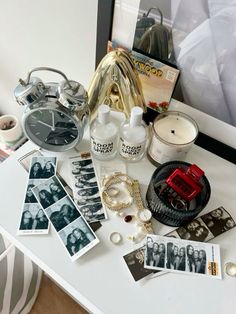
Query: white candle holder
x,y
10,129
173,134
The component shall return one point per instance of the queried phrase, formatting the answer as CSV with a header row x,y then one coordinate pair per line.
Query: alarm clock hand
x,y
39,121
53,121
64,128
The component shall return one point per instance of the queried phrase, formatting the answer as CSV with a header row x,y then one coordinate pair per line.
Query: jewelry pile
x,y
119,183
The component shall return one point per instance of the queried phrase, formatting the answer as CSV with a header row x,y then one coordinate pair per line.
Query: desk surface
x,y
100,280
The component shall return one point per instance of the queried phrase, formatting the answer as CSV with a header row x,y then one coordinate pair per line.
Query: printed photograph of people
x,y
195,230
82,166
29,196
93,212
33,218
175,257
49,192
85,200
88,192
42,167
182,256
84,197
62,213
155,253
83,181
218,221
76,236
86,177
196,260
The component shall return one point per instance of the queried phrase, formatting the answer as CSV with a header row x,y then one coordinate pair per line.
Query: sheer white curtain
x,y
204,37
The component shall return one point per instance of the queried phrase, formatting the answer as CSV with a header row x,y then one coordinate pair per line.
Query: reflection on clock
x,y
52,127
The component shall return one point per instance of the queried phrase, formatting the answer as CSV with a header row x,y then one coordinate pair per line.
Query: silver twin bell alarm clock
x,y
56,113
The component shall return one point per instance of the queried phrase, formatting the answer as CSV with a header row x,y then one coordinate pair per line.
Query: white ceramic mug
x,y
12,135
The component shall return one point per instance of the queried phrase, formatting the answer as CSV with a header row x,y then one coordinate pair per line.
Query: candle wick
x,y
173,131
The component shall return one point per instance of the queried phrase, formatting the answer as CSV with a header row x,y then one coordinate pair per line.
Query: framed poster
x,y
117,19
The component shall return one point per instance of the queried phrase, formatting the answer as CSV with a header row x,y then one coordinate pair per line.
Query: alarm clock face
x,y
51,129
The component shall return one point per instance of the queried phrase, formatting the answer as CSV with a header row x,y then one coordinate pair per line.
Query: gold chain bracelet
x,y
109,191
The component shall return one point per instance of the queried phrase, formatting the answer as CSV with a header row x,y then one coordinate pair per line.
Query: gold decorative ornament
x,y
116,84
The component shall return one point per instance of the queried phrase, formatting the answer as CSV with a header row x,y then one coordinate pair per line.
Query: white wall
x,y
55,33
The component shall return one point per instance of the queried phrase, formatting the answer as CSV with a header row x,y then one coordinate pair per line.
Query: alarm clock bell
x,y
56,114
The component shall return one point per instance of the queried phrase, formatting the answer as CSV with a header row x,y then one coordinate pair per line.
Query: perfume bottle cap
x,y
136,116
104,114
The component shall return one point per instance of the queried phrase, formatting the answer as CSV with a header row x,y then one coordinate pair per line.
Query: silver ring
x,y
179,202
230,269
115,237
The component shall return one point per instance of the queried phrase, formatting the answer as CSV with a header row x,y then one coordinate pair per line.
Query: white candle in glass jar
x,y
173,134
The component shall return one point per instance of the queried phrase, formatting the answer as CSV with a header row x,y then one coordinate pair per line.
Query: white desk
x,y
100,280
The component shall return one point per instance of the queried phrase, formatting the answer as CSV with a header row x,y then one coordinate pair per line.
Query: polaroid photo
x,y
86,188
177,255
72,229
218,221
32,219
